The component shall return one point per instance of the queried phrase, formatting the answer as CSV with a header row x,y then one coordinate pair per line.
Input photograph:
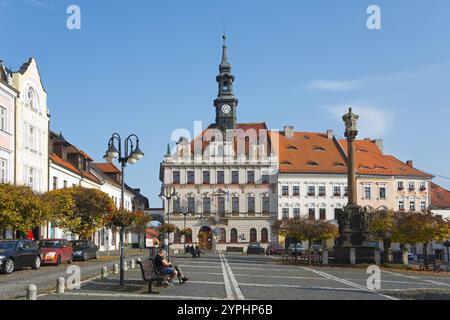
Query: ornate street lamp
x,y
130,153
168,193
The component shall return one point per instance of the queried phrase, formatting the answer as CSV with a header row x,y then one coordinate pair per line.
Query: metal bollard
x,y
132,264
60,285
104,273
31,292
116,268
125,266
139,259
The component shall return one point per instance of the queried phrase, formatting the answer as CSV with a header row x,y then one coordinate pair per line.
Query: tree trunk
x,y
386,246
425,254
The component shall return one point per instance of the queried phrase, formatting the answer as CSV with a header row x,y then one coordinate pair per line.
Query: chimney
x,y
409,163
289,132
330,134
380,144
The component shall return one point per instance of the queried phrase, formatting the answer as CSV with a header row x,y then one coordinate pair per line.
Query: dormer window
x,y
312,163
286,163
339,164
291,148
317,148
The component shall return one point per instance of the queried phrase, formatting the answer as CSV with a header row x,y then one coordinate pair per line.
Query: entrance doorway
x,y
205,238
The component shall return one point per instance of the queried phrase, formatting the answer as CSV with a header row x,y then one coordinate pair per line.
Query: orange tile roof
x,y
440,197
309,152
240,126
57,160
370,160
107,167
67,165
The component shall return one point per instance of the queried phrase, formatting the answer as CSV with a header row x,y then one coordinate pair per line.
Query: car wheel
x,y
8,268
58,261
36,263
70,261
85,256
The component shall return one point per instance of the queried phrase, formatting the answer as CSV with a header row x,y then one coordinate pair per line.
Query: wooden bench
x,y
150,273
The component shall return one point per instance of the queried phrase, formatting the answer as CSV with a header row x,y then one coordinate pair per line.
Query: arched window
x,y
253,236
233,236
177,237
264,235
223,236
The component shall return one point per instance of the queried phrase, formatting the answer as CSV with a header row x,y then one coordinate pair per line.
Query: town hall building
x,y
224,179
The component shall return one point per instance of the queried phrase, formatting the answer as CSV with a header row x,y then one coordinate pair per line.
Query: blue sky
x,y
148,67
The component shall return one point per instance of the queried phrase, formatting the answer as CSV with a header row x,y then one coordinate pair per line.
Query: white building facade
x,y
32,128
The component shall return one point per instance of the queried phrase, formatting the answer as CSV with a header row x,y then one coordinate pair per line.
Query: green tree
x,y
421,227
91,211
139,226
21,209
62,208
381,226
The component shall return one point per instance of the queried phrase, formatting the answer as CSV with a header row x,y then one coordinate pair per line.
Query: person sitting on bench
x,y
169,268
195,252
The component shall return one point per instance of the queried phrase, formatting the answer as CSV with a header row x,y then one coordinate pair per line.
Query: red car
x,y
55,251
275,248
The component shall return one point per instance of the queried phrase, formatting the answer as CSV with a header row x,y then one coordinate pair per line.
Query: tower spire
x,y
226,102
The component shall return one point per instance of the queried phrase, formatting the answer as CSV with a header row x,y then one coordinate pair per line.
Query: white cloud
x,y
40,3
331,85
355,84
373,122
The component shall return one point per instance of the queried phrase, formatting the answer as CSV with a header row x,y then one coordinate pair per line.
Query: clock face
x,y
226,109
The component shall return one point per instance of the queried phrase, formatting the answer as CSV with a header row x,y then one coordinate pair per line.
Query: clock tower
x,y
226,102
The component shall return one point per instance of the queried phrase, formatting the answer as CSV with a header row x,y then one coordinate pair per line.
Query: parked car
x,y
255,248
296,249
17,254
410,256
55,251
84,250
316,248
274,249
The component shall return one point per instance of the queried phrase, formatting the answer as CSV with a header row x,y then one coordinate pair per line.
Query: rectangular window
x,y
31,178
401,205
337,191
296,191
55,183
296,212
345,191
235,177
412,186
311,191
190,177
285,190
206,177
367,193
285,213
423,205
250,176
400,186
176,177
221,206
322,192
323,214
176,205
412,206
265,204
3,171
312,213
382,193
423,186
207,205
191,205
65,184
251,204
3,120
235,204
220,177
